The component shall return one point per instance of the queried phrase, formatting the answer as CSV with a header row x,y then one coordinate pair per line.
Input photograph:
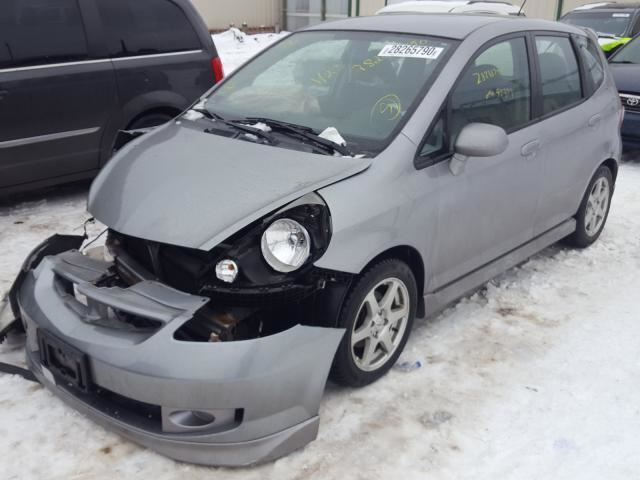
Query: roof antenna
x,y
522,7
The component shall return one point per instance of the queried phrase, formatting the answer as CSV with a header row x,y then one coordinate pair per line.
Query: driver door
x,y
489,209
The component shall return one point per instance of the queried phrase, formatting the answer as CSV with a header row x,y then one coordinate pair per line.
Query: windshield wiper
x,y
234,124
301,131
623,61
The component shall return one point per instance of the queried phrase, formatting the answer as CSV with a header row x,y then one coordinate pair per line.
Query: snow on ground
x,y
533,377
235,48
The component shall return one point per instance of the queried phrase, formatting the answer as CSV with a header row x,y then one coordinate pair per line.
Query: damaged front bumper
x,y
224,403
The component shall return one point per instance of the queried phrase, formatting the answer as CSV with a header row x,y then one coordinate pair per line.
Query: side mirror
x,y
477,140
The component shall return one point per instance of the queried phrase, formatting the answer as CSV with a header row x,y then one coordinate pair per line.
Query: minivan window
x,y
559,73
40,32
142,27
591,59
495,89
364,84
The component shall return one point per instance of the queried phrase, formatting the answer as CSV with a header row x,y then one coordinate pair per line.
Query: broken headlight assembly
x,y
277,249
285,245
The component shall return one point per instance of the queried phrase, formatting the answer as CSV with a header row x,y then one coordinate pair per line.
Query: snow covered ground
x,y
536,376
235,48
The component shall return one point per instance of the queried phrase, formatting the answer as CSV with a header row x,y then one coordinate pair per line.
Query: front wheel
x,y
377,315
594,209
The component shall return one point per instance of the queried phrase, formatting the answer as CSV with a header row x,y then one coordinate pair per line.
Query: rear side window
x,y
591,60
40,32
145,27
494,89
559,73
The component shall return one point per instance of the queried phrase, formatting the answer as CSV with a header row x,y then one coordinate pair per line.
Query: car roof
x,y
607,6
453,6
457,26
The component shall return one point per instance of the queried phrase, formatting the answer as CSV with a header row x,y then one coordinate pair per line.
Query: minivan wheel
x,y
594,210
377,315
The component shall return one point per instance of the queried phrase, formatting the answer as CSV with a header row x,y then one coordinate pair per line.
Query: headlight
x,y
286,245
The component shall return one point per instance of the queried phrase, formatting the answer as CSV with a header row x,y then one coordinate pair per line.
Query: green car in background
x,y
615,23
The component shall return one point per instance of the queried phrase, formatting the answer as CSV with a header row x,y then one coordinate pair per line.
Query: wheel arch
x,y
413,259
612,165
165,110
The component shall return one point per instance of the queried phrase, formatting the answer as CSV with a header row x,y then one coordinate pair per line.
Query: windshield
x,y
361,83
629,53
609,23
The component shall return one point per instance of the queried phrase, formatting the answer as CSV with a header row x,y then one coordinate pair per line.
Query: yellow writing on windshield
x,y
388,108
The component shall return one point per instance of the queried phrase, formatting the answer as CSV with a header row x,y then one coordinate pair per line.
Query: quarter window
x,y
495,89
559,73
591,60
142,27
40,32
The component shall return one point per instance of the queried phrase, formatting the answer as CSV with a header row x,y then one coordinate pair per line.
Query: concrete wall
x,y
219,14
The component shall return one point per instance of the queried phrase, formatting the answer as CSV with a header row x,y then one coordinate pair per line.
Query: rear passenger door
x,y
56,94
159,59
572,128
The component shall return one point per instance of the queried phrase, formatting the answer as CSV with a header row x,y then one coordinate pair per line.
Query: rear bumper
x,y
227,403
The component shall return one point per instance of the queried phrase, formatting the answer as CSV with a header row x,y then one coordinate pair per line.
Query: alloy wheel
x,y
380,324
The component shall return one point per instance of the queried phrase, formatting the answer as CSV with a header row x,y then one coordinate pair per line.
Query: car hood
x,y
181,186
626,77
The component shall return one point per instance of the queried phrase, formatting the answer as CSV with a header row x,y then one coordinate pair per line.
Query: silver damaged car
x,y
295,221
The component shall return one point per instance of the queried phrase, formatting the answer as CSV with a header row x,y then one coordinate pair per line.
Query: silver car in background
x,y
294,222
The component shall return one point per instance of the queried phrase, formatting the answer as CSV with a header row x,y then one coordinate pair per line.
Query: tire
x,y
150,120
594,210
384,333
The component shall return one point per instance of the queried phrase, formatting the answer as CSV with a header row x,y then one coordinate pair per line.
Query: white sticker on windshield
x,y
410,51
621,15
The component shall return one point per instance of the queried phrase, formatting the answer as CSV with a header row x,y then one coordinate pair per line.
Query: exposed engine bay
x,y
259,303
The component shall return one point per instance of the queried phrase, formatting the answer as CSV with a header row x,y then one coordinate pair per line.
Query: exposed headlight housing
x,y
286,245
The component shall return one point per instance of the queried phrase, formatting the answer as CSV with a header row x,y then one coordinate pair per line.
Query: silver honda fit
x,y
295,221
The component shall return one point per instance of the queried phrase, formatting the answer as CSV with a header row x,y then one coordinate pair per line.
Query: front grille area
x,y
182,268
630,102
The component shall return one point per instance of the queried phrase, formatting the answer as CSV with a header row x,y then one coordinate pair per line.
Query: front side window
x,y
604,23
41,32
364,84
559,73
495,89
142,27
591,59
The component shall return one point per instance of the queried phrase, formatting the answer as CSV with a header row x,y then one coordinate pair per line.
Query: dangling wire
x,y
94,240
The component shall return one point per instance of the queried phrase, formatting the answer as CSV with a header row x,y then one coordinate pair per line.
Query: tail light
x,y
218,70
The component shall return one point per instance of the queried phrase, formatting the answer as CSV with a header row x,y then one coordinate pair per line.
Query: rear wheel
x,y
150,120
594,210
377,316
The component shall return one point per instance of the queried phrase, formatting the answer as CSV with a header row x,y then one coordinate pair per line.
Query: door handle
x,y
595,120
530,149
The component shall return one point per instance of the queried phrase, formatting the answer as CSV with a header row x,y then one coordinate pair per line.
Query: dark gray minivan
x,y
75,72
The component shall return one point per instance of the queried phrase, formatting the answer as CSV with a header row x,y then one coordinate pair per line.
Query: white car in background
x,y
450,6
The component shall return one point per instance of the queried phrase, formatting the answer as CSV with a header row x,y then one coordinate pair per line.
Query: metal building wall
x,y
534,8
219,14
